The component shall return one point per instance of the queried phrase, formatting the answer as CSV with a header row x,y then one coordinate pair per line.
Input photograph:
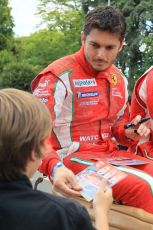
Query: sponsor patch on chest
x,y
41,92
105,135
43,100
89,138
44,84
116,93
89,103
85,82
87,94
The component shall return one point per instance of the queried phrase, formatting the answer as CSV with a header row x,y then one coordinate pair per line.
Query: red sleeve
x,y
136,109
118,130
43,89
48,163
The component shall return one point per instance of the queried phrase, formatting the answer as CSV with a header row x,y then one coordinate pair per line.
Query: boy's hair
x,y
106,18
24,125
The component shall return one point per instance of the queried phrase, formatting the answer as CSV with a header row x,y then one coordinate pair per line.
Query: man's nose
x,y
101,54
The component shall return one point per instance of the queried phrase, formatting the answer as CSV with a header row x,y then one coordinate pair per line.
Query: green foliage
x,y
6,57
147,50
88,4
65,16
45,46
17,75
71,28
138,15
6,24
42,47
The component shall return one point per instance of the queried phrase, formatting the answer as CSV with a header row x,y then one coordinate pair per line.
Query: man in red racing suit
x,y
141,103
87,98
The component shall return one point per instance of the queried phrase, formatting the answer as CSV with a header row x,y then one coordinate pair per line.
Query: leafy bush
x,y
17,75
5,58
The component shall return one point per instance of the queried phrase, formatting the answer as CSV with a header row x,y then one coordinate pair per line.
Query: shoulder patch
x,y
114,80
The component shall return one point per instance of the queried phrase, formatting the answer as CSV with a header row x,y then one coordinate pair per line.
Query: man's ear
x,y
123,43
82,38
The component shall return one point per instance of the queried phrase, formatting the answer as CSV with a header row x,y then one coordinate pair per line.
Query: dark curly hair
x,y
105,18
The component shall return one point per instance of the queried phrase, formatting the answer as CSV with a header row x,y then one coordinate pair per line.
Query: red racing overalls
x,y
142,104
88,108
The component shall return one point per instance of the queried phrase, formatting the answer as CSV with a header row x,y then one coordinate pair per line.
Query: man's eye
x,y
95,45
110,47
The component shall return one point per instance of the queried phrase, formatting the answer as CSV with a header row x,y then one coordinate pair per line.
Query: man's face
x,y
101,48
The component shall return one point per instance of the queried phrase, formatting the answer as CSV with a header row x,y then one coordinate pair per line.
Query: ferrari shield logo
x,y
114,80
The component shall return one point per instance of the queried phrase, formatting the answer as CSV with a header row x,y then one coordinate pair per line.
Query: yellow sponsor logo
x,y
114,79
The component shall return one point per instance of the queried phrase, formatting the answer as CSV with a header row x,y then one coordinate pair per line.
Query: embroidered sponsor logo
x,y
89,103
44,84
87,94
116,93
105,135
114,80
89,138
85,82
43,100
41,92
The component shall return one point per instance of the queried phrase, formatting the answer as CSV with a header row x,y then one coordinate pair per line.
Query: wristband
x,y
59,164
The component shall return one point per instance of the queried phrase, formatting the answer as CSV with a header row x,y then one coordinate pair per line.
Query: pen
x,y
140,122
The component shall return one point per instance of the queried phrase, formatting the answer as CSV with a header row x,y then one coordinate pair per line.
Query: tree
x,y
17,75
65,16
43,47
138,14
147,50
6,24
6,57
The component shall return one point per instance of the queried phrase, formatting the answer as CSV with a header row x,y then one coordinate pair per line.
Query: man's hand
x,y
139,131
65,182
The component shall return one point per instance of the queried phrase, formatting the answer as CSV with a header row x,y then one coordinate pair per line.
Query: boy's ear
x,y
33,156
45,150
